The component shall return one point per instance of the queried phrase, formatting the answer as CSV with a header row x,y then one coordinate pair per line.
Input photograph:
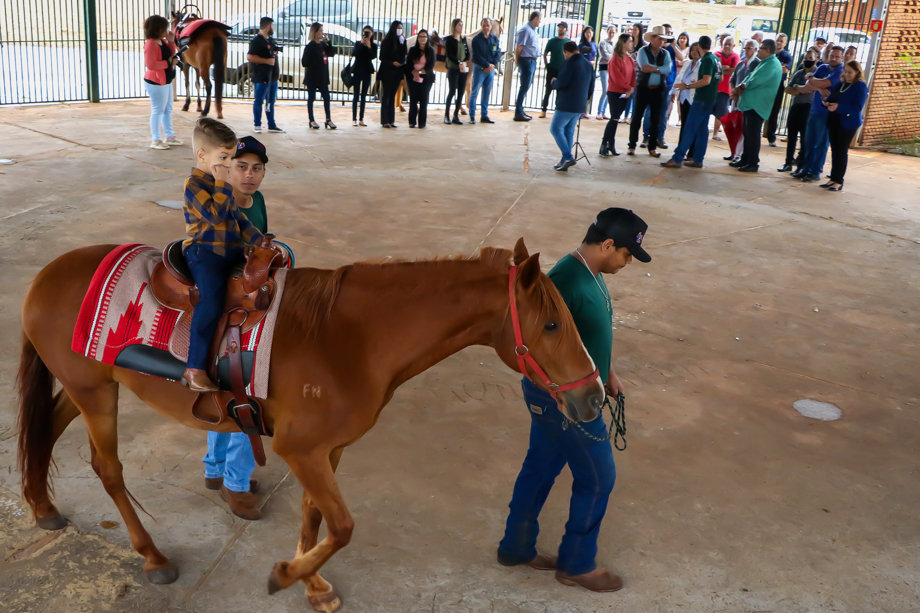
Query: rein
x,y
617,429
523,353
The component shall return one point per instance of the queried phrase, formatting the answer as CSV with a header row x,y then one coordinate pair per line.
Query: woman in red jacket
x,y
159,52
621,81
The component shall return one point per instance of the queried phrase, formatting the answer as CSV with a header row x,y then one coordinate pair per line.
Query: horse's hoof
x,y
220,116
327,602
274,578
162,576
185,109
52,522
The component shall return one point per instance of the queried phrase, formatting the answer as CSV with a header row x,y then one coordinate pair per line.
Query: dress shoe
x,y
521,118
749,168
605,149
456,121
486,119
644,144
630,152
737,164
836,188
654,153
784,168
662,144
242,504
728,158
542,114
198,381
671,164
540,562
692,165
811,178
828,184
598,580
446,119
797,173
215,483
472,120
773,144
565,165
527,115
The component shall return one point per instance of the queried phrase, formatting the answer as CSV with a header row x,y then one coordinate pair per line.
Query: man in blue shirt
x,y
609,245
575,77
816,135
526,52
486,56
785,58
665,95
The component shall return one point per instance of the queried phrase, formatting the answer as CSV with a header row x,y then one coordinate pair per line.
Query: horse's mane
x,y
313,292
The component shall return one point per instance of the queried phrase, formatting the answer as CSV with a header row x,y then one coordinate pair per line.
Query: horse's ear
x,y
530,271
520,252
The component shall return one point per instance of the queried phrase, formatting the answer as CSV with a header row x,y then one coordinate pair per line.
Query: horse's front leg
x,y
320,592
315,473
188,91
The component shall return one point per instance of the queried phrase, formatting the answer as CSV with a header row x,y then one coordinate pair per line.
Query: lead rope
x,y
617,427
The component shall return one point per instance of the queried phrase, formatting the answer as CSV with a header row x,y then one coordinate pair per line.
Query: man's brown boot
x,y
197,380
598,580
215,483
540,562
242,504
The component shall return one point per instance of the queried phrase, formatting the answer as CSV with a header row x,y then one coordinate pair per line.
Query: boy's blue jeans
x,y
210,272
594,473
230,456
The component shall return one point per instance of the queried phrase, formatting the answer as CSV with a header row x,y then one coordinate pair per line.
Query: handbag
x,y
348,77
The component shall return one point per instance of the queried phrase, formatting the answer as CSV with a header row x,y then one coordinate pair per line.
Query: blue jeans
x,y
563,130
527,67
230,456
602,103
210,272
663,120
481,80
267,93
815,144
696,132
593,472
161,105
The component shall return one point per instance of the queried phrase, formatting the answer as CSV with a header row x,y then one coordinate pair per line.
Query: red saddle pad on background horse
x,y
185,32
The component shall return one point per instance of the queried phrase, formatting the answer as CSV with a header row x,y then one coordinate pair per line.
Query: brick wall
x,y
893,111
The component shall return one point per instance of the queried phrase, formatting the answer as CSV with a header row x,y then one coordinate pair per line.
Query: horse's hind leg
x,y
207,102
188,89
99,406
46,514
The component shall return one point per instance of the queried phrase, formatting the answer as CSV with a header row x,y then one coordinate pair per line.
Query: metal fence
x,y
78,50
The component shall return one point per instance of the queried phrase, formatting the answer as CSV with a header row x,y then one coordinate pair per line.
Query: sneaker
x,y
662,144
158,144
472,120
172,141
276,130
257,129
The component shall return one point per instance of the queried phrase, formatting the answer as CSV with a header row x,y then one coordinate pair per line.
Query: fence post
x,y
509,72
787,18
92,54
593,18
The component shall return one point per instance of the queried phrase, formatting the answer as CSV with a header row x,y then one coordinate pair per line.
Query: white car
x,y
292,72
742,28
623,13
844,37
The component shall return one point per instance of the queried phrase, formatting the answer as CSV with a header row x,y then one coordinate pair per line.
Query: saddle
x,y
186,30
250,293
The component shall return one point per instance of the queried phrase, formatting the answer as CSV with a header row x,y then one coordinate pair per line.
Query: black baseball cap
x,y
625,228
249,144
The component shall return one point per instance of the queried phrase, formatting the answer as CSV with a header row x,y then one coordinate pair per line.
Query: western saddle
x,y
250,293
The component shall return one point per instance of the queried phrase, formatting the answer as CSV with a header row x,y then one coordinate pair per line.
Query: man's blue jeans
x,y
210,272
663,120
267,93
696,132
563,130
593,471
230,456
816,142
527,67
481,80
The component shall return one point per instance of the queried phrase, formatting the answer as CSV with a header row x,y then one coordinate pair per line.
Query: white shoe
x,y
257,129
158,144
172,141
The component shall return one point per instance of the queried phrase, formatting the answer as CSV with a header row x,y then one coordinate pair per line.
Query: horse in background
x,y
207,47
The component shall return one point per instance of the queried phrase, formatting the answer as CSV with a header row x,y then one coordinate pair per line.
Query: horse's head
x,y
550,338
498,26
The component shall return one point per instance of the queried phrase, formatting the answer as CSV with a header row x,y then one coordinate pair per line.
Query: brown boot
x,y
242,504
198,381
215,483
598,580
543,562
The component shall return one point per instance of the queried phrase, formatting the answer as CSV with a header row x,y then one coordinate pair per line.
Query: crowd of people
x,y
646,74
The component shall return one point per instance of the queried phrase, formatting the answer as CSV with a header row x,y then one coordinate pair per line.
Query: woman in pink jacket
x,y
621,83
161,70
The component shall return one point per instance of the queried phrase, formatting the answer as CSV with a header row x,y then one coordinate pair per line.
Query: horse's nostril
x,y
595,402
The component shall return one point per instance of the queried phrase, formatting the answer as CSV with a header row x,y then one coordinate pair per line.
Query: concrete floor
x,y
762,291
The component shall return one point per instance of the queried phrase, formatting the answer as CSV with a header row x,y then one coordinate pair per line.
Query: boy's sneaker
x,y
172,141
257,129
276,129
158,144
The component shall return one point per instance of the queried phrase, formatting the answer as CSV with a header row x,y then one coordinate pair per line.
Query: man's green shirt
x,y
587,302
256,213
708,66
554,47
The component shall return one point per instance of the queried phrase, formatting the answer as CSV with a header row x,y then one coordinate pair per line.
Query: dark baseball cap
x,y
625,228
249,144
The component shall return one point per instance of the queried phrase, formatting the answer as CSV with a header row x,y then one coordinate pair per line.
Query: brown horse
x,y
207,48
359,331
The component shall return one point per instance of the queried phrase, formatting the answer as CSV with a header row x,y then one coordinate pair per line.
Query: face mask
x,y
809,63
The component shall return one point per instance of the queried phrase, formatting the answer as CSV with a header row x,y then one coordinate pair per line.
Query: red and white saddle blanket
x,y
119,311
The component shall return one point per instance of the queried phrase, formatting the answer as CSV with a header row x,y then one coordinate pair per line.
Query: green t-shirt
x,y
587,299
708,66
554,48
256,214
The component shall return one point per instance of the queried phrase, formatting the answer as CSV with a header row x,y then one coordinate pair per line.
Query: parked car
x,y
843,37
742,28
344,13
623,13
292,73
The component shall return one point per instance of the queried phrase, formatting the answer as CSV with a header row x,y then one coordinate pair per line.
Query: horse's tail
x,y
36,423
219,61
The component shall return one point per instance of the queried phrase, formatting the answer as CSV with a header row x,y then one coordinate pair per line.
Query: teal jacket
x,y
760,87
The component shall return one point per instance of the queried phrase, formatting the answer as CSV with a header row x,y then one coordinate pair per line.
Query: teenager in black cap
x,y
611,243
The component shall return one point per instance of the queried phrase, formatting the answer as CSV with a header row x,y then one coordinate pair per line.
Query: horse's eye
x,y
551,327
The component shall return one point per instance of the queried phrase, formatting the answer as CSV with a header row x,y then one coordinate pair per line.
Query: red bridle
x,y
523,353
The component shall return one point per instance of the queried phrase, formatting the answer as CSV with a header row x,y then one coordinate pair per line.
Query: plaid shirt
x,y
212,218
